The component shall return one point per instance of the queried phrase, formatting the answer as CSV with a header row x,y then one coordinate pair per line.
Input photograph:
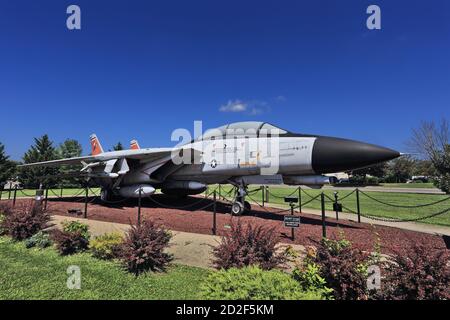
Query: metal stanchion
x,y
214,229
324,226
292,229
336,205
15,195
357,205
1,192
262,195
86,196
46,198
9,192
267,194
61,192
300,199
139,207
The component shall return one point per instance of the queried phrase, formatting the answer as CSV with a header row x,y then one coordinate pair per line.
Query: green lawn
x,y
367,205
41,274
428,185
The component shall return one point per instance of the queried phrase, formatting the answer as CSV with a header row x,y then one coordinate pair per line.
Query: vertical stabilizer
x,y
96,146
134,145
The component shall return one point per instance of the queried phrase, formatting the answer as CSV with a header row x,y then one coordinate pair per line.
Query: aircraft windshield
x,y
242,129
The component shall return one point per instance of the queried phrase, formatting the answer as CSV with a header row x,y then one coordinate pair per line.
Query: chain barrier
x,y
312,197
385,219
274,212
347,195
26,194
403,206
281,197
224,196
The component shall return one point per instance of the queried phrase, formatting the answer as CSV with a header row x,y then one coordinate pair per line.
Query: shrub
x,y
249,245
343,268
73,238
4,210
309,278
143,248
25,220
420,274
106,246
40,240
76,226
253,283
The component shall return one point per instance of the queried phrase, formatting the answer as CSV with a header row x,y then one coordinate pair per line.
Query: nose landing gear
x,y
240,206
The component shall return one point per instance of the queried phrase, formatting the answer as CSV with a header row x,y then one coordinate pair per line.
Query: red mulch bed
x,y
191,216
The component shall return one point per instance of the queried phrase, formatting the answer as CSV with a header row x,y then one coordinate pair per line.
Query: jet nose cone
x,y
334,155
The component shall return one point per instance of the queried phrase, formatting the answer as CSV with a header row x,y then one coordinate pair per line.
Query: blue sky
x,y
140,69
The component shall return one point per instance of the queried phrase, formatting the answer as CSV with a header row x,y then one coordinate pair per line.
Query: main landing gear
x,y
106,195
240,206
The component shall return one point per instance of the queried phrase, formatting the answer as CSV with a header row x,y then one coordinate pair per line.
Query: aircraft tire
x,y
105,195
237,209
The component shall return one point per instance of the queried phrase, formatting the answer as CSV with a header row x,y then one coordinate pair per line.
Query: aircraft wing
x,y
59,162
142,155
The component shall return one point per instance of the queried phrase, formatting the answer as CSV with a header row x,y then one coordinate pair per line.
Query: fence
x,y
304,198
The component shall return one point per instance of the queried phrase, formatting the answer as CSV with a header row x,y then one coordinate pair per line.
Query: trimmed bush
x,y
343,268
40,240
249,245
76,226
253,283
25,220
106,246
422,274
309,278
143,248
73,238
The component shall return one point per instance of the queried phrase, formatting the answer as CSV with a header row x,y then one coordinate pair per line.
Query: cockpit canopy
x,y
242,130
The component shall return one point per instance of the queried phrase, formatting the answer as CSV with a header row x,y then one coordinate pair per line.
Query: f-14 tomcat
x,y
240,154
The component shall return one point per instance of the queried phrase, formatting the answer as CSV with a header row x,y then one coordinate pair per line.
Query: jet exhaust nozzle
x,y
309,180
133,191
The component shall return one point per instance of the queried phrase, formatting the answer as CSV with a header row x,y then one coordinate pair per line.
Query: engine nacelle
x,y
183,188
133,191
309,180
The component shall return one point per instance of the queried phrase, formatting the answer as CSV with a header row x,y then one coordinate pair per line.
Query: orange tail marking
x,y
134,145
96,146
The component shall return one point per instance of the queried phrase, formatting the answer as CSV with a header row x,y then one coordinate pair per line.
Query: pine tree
x,y
69,149
42,150
118,147
7,167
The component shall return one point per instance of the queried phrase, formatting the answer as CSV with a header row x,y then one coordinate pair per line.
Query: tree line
x,y
44,149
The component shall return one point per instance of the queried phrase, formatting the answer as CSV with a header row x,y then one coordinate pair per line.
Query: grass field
x,y
428,185
41,274
367,205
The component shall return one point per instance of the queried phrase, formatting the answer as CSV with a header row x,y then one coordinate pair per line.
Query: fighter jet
x,y
239,154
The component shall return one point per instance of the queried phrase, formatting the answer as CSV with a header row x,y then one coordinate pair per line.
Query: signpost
x,y
292,221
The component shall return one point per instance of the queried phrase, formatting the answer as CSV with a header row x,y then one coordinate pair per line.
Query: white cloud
x,y
250,107
234,106
280,99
